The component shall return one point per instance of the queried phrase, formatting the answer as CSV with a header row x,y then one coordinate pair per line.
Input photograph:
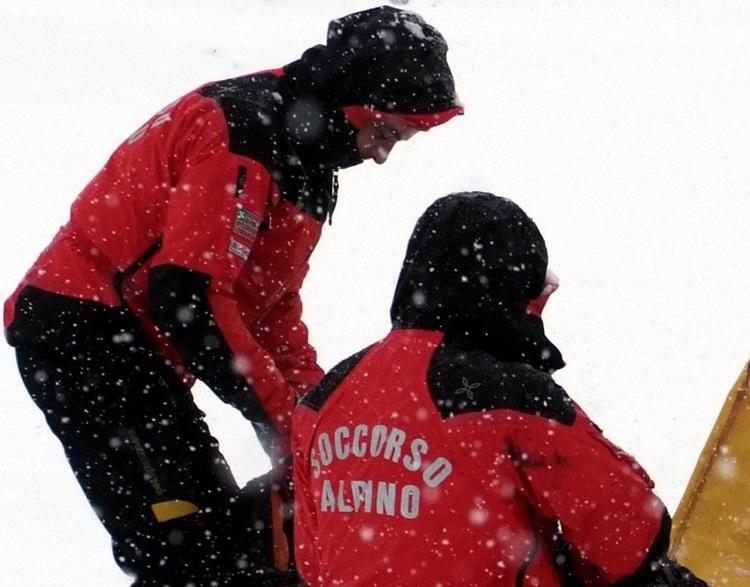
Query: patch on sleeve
x,y
237,248
246,224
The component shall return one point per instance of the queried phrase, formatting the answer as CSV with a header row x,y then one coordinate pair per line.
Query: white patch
x,y
246,223
237,248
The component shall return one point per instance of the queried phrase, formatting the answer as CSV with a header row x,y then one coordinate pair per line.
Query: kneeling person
x,y
445,454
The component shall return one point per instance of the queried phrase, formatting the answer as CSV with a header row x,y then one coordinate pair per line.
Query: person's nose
x,y
383,150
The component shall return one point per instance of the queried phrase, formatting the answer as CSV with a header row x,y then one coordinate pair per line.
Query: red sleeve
x,y
213,216
255,364
284,335
305,519
600,496
212,220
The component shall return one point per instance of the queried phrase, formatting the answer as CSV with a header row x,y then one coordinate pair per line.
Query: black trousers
x,y
144,456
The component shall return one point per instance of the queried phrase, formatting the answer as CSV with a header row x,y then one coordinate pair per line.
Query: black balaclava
x,y
473,264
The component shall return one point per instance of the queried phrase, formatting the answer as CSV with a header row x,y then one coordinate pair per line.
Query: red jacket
x,y
203,220
180,193
472,496
446,454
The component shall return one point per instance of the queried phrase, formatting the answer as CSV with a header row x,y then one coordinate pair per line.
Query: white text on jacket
x,y
362,442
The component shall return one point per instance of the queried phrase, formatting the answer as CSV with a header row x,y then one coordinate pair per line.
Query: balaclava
x,y
476,269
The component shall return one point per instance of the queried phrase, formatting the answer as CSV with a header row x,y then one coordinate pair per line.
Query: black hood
x,y
385,58
473,264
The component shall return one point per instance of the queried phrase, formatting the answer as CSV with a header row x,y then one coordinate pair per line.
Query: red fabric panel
x,y
512,475
283,334
305,514
601,496
358,116
255,364
204,222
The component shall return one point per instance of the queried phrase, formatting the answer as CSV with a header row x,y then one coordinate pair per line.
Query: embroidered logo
x,y
237,248
246,224
467,388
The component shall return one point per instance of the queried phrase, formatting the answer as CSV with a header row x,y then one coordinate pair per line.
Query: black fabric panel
x,y
179,305
252,114
254,107
133,437
463,381
385,58
45,317
239,188
317,397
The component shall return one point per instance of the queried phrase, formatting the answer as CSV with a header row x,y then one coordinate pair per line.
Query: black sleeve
x,y
179,305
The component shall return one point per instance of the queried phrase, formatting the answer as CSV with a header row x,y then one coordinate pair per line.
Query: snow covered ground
x,y
621,127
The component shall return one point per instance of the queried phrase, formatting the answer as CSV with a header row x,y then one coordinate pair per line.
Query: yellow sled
x,y
711,529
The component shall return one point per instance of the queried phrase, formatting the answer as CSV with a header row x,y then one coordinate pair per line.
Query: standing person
x,y
445,454
183,258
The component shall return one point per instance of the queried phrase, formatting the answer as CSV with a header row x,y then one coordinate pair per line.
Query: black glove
x,y
670,573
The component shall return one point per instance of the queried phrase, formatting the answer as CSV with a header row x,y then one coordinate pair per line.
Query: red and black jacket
x,y
194,228
446,454
202,222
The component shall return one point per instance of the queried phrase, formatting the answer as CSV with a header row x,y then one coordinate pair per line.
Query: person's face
x,y
378,136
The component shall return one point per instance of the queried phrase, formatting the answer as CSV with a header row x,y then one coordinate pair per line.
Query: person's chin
x,y
372,156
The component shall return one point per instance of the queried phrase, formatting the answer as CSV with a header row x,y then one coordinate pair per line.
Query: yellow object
x,y
175,508
711,528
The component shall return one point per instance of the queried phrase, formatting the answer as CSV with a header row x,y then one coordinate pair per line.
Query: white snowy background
x,y
622,127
